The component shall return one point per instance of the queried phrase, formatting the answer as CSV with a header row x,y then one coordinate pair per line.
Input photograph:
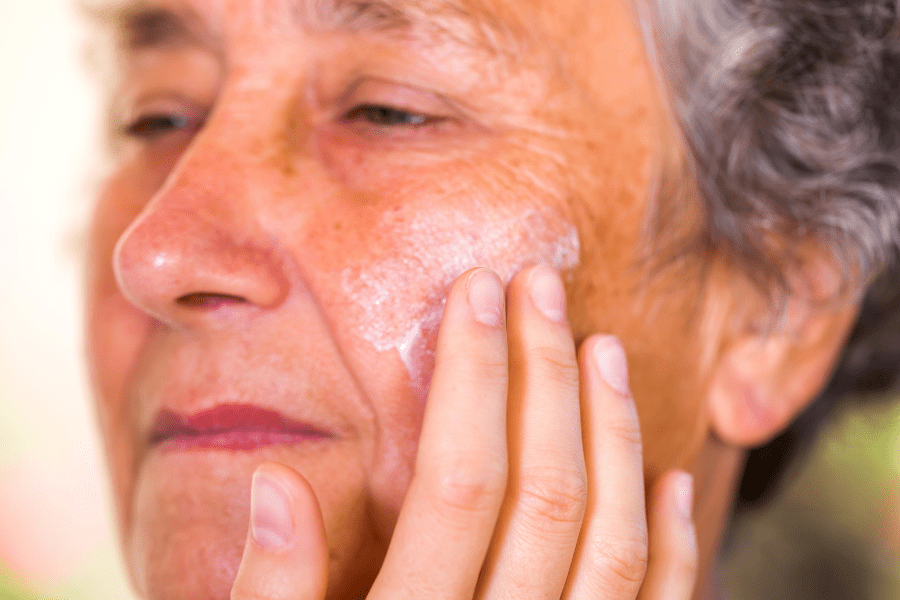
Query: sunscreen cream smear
x,y
401,298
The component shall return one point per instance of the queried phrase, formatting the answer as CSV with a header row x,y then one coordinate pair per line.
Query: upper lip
x,y
233,419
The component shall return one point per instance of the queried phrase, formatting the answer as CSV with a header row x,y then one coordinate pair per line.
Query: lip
x,y
237,427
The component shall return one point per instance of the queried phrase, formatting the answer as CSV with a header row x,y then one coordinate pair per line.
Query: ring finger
x,y
611,559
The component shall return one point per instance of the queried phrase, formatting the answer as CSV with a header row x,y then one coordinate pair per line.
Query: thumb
x,y
286,554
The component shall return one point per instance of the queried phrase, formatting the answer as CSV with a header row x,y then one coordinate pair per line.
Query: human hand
x,y
529,476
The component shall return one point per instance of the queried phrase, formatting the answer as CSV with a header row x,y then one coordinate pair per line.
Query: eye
x,y
387,116
152,126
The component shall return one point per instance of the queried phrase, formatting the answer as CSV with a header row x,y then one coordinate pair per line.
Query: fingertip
x,y
484,291
673,499
674,557
286,500
547,292
606,389
611,363
683,500
286,552
271,519
683,484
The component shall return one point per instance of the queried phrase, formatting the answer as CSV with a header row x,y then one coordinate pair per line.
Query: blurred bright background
x,y
56,532
838,517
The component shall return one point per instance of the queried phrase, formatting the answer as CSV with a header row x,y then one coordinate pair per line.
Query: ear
x,y
767,372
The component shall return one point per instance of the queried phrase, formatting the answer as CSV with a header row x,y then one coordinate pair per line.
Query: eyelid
x,y
187,116
163,103
380,92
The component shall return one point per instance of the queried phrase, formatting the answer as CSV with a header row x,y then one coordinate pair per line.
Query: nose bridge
x,y
201,236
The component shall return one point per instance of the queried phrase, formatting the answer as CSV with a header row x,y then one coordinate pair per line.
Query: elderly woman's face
x,y
300,184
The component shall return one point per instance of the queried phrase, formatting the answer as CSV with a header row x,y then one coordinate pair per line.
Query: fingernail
x,y
684,494
485,292
612,364
547,292
270,510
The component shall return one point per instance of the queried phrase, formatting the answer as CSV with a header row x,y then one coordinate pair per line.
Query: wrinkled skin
x,y
273,243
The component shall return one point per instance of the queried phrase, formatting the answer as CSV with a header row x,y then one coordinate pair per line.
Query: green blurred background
x,y
833,530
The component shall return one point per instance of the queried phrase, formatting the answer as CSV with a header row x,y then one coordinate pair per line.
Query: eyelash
x,y
151,126
388,116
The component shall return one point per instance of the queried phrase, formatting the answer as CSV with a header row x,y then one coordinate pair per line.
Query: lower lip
x,y
237,440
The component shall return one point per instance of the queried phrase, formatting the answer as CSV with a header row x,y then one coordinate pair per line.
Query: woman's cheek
x,y
430,211
397,300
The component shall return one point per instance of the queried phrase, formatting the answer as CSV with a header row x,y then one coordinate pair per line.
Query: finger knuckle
x,y
493,369
468,488
553,497
472,366
627,433
554,364
619,563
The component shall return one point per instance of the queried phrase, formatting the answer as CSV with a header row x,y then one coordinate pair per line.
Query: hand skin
x,y
528,479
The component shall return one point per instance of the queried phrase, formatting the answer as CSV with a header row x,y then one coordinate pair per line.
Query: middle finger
x,y
538,528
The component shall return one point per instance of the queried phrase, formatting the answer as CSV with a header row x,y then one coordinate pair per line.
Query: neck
x,y
717,475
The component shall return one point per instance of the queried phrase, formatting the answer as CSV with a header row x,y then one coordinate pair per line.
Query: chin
x,y
193,565
190,513
188,526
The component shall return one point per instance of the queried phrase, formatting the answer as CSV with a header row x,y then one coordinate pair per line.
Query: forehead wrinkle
x,y
453,20
356,15
458,21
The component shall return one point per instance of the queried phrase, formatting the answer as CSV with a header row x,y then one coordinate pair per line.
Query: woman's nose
x,y
197,254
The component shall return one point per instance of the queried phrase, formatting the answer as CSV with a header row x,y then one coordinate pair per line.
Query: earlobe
x,y
765,376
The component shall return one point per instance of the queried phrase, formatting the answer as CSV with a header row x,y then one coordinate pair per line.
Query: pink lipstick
x,y
230,427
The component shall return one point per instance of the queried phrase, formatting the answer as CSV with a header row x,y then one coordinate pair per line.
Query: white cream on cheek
x,y
400,299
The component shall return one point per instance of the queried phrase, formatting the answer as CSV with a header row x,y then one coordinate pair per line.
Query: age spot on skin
x,y
400,300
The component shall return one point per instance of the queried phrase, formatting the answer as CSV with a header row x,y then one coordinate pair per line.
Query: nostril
x,y
209,300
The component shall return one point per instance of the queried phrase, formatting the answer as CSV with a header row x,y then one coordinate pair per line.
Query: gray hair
x,y
790,115
790,112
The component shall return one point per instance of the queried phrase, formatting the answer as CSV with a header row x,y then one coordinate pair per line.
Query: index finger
x,y
448,516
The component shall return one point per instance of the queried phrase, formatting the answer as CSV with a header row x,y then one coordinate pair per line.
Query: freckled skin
x,y
277,196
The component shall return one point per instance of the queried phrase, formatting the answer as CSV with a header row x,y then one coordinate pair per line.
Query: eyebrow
x,y
358,15
454,20
144,24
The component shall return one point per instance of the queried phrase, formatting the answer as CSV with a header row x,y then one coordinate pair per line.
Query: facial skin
x,y
285,234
